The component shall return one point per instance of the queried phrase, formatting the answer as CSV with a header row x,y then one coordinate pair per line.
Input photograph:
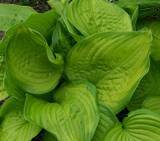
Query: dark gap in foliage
x,y
2,101
122,114
1,34
38,5
39,136
9,1
112,1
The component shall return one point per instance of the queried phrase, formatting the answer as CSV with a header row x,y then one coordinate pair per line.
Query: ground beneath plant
x,y
38,5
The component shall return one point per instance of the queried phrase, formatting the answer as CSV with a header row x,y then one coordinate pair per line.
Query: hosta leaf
x,y
106,123
31,63
92,16
140,125
74,113
109,60
43,22
152,103
3,93
13,14
13,127
149,85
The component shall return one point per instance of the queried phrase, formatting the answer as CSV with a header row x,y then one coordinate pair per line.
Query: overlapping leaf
x,y
74,113
140,125
106,123
93,16
31,63
43,23
13,127
114,62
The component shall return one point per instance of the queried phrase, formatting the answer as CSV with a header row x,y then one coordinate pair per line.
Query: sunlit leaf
x,y
109,61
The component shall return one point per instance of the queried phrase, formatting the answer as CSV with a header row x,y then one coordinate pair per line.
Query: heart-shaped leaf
x,y
31,63
140,125
13,126
109,61
95,16
74,113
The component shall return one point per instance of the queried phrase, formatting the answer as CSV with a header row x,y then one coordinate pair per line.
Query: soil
x,y
1,34
38,5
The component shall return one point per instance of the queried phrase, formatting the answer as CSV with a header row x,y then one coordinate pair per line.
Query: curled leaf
x,y
31,63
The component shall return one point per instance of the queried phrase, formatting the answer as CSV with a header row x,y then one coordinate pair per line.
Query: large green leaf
x,y
140,125
109,60
13,14
94,16
149,86
13,126
31,63
74,113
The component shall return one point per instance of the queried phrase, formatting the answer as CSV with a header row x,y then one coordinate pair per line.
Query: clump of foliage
x,y
65,74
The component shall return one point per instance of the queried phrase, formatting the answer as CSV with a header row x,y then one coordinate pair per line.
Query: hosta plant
x,y
86,70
